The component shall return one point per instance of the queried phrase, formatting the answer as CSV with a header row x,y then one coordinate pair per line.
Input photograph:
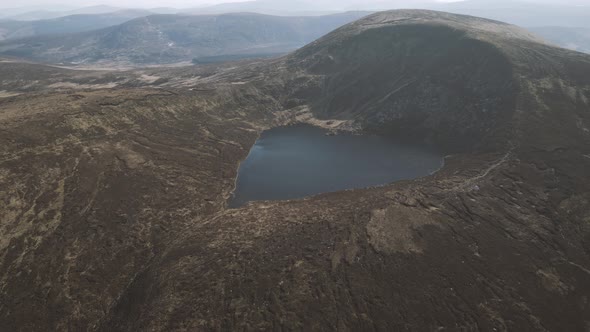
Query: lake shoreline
x,y
301,160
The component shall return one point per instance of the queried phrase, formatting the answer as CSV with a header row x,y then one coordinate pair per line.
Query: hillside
x,y
35,13
441,76
114,204
11,29
162,39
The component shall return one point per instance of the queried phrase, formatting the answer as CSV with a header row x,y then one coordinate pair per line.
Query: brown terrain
x,y
114,185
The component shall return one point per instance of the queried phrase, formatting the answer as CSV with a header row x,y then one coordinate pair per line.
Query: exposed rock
x,y
392,230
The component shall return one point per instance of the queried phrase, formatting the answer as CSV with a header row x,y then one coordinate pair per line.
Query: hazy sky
x,y
117,3
195,3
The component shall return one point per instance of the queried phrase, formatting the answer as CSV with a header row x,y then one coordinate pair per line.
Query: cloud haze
x,y
328,4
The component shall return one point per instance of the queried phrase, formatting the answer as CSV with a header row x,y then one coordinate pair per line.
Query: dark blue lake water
x,y
299,161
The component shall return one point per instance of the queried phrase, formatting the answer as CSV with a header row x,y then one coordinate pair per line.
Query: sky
x,y
60,4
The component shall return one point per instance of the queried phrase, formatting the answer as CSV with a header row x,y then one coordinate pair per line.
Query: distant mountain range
x,y
577,39
268,7
106,34
525,14
519,12
10,29
40,13
162,39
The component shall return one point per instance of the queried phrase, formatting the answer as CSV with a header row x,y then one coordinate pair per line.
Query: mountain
x,y
176,38
519,12
10,29
44,14
10,12
165,10
98,9
577,39
523,13
113,208
267,7
35,15
375,51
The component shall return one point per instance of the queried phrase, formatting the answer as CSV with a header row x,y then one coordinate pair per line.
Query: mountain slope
x,y
114,212
173,38
67,24
439,73
57,11
455,81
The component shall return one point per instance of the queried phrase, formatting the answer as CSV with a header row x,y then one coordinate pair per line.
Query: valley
x,y
115,184
168,39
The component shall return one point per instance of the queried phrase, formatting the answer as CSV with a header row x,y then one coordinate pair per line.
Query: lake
x,y
302,160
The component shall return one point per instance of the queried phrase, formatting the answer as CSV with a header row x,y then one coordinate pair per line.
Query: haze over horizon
x,y
563,23
320,4
295,165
